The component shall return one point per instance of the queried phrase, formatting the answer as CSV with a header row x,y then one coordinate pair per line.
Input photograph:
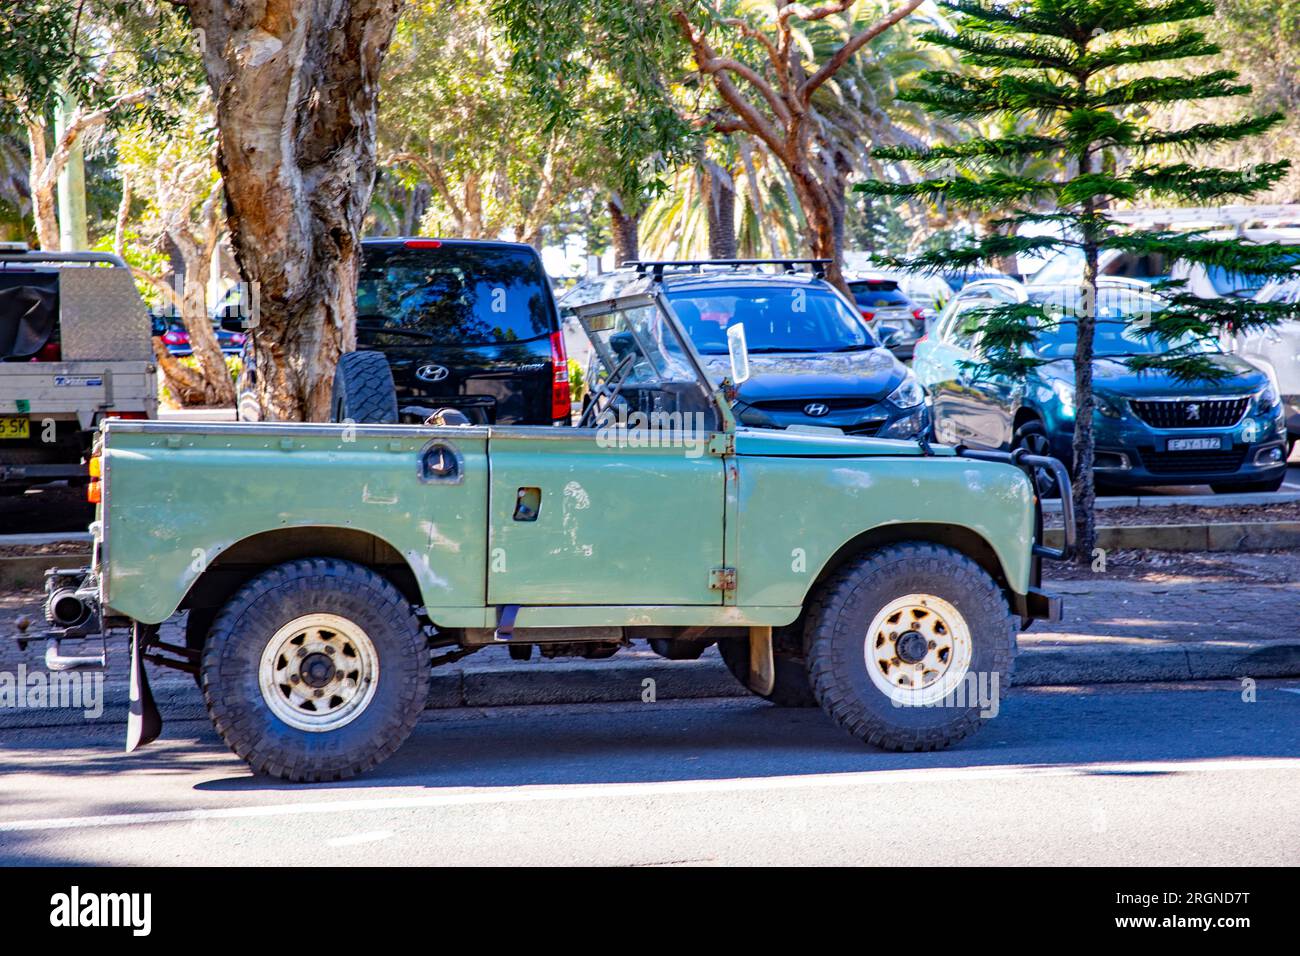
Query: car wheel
x,y
790,687
363,390
1032,437
316,670
909,646
1249,487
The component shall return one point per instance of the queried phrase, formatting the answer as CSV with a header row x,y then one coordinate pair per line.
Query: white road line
x,y
534,794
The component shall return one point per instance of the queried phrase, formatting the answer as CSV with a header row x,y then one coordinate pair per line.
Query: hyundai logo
x,y
431,373
1193,412
816,409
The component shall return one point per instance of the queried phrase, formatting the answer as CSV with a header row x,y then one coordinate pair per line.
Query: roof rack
x,y
791,265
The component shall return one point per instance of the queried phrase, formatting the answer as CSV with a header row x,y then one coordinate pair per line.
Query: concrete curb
x,y
1225,536
1198,501
552,684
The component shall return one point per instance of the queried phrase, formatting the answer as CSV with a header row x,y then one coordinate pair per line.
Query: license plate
x,y
12,427
1194,444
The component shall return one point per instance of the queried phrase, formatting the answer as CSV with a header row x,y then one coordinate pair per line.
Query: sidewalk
x,y
1114,631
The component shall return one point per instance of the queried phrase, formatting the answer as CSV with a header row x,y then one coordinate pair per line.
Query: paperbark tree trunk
x,y
296,86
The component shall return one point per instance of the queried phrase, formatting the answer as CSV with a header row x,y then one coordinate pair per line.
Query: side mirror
x,y
739,353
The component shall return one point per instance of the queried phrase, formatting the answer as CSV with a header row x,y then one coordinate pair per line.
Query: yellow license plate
x,y
11,427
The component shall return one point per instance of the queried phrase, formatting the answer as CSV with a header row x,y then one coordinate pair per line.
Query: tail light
x,y
560,408
423,243
867,315
95,490
918,314
172,337
131,415
49,352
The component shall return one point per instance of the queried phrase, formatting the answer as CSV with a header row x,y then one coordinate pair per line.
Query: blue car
x,y
1149,428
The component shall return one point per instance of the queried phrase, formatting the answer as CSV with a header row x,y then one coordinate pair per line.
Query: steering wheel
x,y
608,390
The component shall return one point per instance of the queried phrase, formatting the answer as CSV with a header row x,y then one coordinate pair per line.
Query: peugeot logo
x,y
431,373
816,409
1193,412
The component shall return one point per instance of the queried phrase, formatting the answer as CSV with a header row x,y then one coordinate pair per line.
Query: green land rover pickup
x,y
326,568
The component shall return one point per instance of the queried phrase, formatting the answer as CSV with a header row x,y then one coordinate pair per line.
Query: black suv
x,y
453,323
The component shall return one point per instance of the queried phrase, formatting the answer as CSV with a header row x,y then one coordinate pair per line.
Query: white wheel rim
x,y
893,650
319,672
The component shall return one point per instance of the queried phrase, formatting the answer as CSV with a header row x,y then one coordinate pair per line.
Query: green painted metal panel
x,y
796,513
617,525
178,498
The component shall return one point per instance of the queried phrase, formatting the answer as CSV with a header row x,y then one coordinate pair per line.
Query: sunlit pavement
x,y
1134,774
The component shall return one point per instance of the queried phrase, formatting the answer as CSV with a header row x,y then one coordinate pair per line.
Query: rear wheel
x,y
909,646
315,670
363,390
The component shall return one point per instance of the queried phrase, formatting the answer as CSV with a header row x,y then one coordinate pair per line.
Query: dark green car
x,y
1150,429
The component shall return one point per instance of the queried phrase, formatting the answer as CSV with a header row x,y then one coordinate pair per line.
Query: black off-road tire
x,y
790,686
842,611
246,624
363,390
198,622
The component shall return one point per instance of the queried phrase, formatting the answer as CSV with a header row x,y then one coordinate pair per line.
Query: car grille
x,y
798,404
1190,412
1192,462
865,429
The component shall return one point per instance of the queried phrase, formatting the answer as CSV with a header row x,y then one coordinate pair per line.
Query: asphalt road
x,y
1121,775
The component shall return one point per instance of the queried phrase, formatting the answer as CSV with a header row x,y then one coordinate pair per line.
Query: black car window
x,y
776,319
451,294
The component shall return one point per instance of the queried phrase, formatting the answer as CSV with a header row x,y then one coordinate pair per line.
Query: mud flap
x,y
762,668
143,723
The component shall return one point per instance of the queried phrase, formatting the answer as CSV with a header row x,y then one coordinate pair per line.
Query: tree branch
x,y
842,55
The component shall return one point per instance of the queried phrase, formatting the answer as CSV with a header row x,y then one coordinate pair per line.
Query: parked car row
x,y
472,328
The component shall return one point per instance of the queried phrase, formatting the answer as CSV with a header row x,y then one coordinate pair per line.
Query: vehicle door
x,y
626,510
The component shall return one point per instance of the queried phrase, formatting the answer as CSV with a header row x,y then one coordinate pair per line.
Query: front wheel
x,y
315,670
909,646
1032,437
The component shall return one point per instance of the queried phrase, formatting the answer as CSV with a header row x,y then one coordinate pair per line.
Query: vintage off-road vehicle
x,y
327,567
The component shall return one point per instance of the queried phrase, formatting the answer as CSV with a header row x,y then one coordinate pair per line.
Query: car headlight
x,y
909,392
1107,405
1064,393
1270,398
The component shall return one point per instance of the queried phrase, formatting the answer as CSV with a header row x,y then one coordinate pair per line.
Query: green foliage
x,y
96,52
1067,64
606,66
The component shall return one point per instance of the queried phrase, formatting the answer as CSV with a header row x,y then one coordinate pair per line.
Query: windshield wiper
x,y
768,349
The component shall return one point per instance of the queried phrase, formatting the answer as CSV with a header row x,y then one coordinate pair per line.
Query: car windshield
x,y
776,319
1119,330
